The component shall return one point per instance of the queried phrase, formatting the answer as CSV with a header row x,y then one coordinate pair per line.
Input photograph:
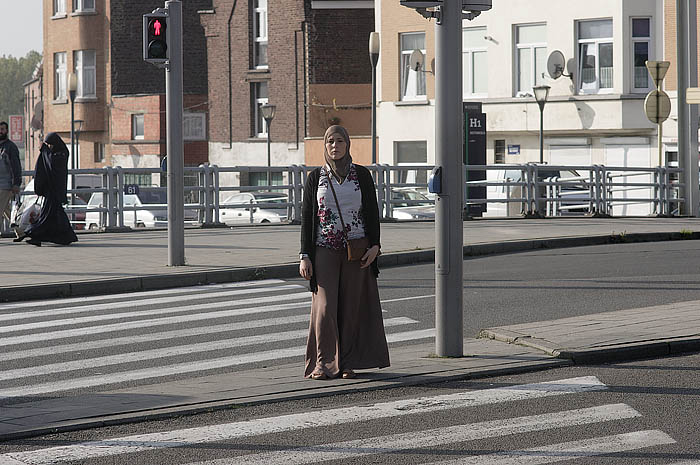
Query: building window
x,y
195,125
59,7
83,5
137,130
259,178
411,153
99,153
641,43
60,76
260,33
595,51
259,98
499,151
84,61
531,56
412,82
475,62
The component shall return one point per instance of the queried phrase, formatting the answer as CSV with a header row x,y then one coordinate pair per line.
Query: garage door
x,y
570,155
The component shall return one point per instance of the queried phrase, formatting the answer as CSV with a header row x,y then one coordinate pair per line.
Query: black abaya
x,y
51,182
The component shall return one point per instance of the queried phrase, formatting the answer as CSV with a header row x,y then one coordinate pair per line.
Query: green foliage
x,y
13,73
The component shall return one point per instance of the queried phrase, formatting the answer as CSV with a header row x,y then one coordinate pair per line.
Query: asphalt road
x,y
84,345
642,412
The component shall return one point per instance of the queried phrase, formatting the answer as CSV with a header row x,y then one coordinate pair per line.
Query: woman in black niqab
x,y
51,183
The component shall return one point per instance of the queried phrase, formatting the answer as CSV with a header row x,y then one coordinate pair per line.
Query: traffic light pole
x,y
175,145
448,205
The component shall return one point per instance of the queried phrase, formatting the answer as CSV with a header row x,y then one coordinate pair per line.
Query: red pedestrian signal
x,y
155,42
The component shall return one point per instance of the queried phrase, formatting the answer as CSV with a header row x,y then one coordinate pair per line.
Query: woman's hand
x,y
305,268
369,256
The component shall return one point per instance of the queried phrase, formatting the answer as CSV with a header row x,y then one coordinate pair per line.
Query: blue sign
x,y
131,189
513,149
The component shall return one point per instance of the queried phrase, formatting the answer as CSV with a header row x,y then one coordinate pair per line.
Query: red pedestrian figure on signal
x,y
157,26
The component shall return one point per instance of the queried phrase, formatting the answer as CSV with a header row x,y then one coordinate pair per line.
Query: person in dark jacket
x,y
10,171
346,331
51,183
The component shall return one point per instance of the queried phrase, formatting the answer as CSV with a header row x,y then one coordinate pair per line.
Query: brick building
x,y
308,58
120,99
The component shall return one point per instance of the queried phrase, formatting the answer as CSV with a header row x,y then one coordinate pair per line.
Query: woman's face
x,y
336,145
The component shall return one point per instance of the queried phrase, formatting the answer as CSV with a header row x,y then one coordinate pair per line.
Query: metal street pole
x,y
374,58
175,144
448,204
269,175
541,134
686,48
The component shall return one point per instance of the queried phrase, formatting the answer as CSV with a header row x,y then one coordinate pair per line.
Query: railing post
x,y
111,198
216,194
297,193
379,172
251,212
388,207
208,216
120,197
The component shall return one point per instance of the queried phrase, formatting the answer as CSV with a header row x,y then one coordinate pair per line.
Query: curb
x,y
596,355
285,271
139,416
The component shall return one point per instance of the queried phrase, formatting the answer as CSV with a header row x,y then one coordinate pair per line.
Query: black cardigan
x,y
309,216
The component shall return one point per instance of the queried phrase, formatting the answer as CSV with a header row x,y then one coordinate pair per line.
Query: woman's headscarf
x,y
56,142
340,167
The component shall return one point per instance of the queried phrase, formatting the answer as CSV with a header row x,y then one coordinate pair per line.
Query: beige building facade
x,y
593,116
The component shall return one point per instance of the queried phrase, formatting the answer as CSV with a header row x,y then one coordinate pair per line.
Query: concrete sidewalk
x,y
102,263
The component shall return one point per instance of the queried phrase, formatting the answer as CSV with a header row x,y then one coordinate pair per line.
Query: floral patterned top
x,y
329,232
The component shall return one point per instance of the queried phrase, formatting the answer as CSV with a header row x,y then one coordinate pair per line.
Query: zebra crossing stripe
x,y
687,462
160,311
569,450
300,421
171,351
79,332
175,369
34,304
134,304
166,335
434,437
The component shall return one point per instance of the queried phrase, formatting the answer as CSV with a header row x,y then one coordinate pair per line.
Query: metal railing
x,y
212,192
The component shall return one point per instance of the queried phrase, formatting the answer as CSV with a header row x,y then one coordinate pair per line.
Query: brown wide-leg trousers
x,y
347,328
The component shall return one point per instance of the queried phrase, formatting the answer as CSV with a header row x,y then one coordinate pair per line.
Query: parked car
x,y
253,207
573,197
410,204
153,211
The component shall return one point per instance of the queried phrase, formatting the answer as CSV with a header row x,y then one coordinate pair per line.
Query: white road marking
x,y
33,304
160,311
408,298
434,437
166,335
79,332
178,368
570,450
299,421
133,304
173,351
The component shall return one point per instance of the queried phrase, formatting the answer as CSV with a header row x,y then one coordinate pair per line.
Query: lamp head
x,y
268,111
541,94
374,43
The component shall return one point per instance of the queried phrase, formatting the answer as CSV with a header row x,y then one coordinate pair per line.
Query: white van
x,y
154,212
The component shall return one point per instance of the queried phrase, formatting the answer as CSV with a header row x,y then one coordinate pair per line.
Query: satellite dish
x,y
555,64
416,60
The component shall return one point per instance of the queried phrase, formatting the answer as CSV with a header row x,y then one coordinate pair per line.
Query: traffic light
x,y
155,37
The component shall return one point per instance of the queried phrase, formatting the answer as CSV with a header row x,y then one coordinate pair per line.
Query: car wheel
x,y
92,227
140,225
265,221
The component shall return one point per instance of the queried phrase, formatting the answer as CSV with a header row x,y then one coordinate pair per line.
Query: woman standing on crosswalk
x,y
340,207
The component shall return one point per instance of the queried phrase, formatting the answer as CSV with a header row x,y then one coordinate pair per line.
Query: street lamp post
x,y
374,58
268,113
541,94
72,89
